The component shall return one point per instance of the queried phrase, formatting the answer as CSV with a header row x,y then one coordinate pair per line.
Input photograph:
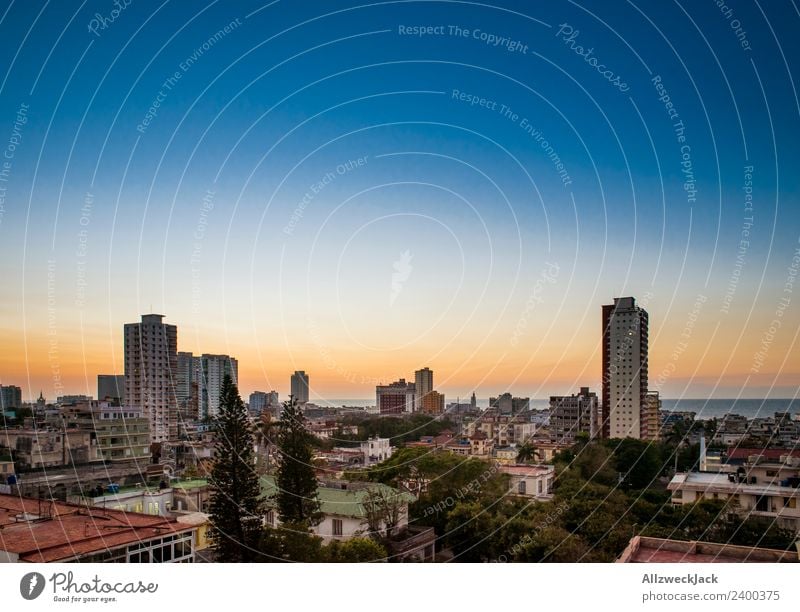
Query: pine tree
x,y
237,508
296,482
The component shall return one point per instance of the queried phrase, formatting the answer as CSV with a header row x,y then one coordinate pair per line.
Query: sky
x,y
362,189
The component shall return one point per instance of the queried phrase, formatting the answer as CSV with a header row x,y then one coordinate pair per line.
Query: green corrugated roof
x,y
189,484
341,502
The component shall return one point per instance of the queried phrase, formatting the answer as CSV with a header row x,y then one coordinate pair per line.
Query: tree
x,y
638,461
383,509
527,452
236,505
296,481
355,550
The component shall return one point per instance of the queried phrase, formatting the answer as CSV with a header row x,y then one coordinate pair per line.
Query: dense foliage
x,y
296,481
605,492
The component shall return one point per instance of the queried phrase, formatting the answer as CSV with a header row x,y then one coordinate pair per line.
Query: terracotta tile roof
x,y
40,531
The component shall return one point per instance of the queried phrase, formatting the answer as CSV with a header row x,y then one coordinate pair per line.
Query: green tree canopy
x,y
236,506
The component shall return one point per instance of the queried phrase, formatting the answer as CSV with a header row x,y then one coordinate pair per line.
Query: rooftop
x,y
720,480
342,502
658,550
194,483
768,453
526,470
42,531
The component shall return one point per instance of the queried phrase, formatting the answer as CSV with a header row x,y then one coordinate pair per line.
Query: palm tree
x,y
265,433
527,452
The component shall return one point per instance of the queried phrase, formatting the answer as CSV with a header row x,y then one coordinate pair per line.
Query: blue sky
x,y
297,91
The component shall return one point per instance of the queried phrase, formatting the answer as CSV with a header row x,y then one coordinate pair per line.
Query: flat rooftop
x,y
659,550
719,480
526,470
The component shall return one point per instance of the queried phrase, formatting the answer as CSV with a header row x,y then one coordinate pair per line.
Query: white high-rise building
x,y
214,368
299,386
625,328
151,364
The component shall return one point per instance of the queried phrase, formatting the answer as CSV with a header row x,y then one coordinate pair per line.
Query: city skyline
x,y
414,187
416,373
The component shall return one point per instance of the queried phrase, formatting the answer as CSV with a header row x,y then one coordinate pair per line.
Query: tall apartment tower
x,y
187,386
423,382
624,369
214,368
151,365
299,386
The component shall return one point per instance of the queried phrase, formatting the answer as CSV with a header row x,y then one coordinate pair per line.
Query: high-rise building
x,y
111,387
473,402
10,397
214,368
423,382
625,328
573,414
151,364
299,386
395,398
187,386
651,417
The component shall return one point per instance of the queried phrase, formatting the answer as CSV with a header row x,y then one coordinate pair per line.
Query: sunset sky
x,y
318,188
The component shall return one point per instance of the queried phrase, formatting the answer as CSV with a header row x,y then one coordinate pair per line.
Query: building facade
x,y
574,414
111,387
214,369
651,417
187,386
151,366
395,398
299,386
625,342
10,397
507,404
423,383
376,450
121,433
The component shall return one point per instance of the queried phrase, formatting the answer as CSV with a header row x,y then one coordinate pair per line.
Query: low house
x,y
533,481
190,495
44,531
506,455
156,501
352,509
376,450
775,501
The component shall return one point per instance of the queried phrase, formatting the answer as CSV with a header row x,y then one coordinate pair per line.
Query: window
x,y
521,487
337,527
